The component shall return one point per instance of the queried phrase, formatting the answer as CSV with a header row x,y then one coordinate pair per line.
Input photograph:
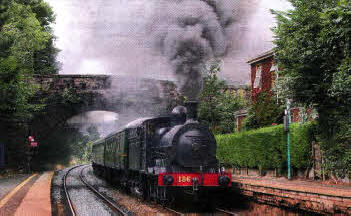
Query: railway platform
x,y
311,196
29,197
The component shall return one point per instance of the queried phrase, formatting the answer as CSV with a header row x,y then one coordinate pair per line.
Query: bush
x,y
263,111
265,148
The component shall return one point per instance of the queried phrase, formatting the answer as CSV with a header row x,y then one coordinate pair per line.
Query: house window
x,y
258,78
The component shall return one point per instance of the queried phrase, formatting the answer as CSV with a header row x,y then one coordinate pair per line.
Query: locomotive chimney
x,y
191,107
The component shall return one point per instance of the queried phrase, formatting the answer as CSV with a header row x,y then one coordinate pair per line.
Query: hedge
x,y
265,148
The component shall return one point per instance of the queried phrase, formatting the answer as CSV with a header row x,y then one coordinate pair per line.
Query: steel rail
x,y
174,211
114,206
226,212
68,198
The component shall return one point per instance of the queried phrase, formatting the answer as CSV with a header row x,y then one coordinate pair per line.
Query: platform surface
x,y
8,183
37,200
296,185
29,197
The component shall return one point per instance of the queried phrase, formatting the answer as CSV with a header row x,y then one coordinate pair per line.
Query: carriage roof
x,y
133,124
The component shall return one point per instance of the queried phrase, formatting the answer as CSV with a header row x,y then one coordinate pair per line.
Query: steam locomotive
x,y
162,158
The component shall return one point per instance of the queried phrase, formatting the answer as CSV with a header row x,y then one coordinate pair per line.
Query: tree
x,y
82,147
25,48
230,103
216,107
313,49
45,62
22,35
210,98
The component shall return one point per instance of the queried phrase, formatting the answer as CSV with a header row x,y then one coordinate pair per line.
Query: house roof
x,y
261,57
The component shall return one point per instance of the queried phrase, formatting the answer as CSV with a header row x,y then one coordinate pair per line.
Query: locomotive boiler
x,y
162,158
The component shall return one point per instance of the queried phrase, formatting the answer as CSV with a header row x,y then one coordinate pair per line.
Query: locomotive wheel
x,y
152,194
151,188
162,194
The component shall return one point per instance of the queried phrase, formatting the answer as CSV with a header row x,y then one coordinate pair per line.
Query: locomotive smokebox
x,y
191,108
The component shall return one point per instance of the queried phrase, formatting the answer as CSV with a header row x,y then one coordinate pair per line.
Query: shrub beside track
x,y
265,148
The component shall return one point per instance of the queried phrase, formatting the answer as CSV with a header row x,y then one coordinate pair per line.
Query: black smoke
x,y
189,33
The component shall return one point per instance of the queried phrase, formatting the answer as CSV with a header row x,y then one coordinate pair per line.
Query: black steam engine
x,y
162,158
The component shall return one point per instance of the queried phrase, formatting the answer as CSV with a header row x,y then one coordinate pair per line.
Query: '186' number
x,y
183,179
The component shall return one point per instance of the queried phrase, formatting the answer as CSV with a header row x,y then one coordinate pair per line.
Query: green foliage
x,y
216,107
4,4
210,98
24,33
264,111
70,96
313,50
229,104
26,48
82,147
265,148
337,151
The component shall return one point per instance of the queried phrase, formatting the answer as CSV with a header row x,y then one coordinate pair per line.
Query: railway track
x,y
218,212
111,204
175,212
68,197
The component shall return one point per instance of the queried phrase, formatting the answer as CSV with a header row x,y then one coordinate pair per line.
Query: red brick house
x,y
263,73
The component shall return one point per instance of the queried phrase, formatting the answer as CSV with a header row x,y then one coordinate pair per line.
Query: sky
x,y
111,37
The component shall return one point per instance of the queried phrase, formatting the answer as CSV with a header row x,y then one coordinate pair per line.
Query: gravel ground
x,y
128,202
9,183
85,201
57,193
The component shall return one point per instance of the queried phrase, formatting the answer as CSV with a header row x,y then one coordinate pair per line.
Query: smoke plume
x,y
189,33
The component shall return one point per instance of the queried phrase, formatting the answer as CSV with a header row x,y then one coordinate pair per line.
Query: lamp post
x,y
286,127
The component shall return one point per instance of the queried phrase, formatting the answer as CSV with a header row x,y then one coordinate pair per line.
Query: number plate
x,y
184,179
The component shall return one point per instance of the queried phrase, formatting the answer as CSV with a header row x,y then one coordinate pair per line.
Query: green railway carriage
x,y
116,150
111,151
98,152
127,152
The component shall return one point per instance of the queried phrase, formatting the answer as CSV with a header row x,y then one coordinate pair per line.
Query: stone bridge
x,y
113,93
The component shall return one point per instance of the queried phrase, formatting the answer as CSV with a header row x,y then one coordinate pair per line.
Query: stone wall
x,y
78,82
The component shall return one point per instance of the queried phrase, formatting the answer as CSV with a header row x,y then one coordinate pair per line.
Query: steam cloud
x,y
191,33
158,39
